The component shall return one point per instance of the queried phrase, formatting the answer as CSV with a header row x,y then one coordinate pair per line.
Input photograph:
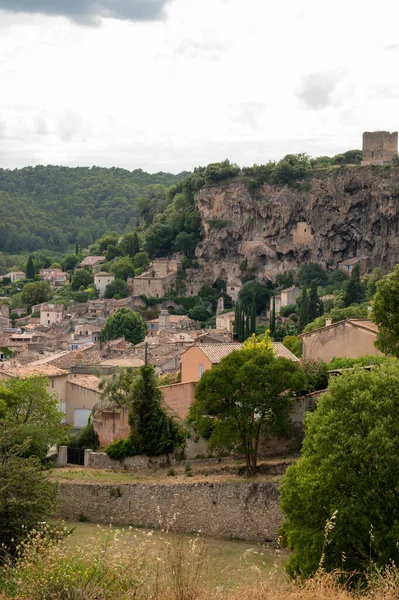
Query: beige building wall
x,y
101,282
302,233
49,316
79,397
225,321
339,340
193,364
179,397
151,286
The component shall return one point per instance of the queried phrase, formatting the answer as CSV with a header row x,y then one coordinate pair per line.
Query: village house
x,y
284,298
347,266
101,280
351,338
55,276
92,262
83,335
97,309
158,280
51,313
198,359
15,276
172,323
225,321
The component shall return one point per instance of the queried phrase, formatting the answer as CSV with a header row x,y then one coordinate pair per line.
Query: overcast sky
x,y
166,85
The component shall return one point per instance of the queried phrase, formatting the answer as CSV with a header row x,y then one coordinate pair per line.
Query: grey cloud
x,y
69,125
316,89
89,12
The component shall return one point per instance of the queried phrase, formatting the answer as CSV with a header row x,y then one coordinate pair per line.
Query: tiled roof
x,y
362,323
90,382
216,352
104,274
123,361
173,319
365,324
29,370
89,261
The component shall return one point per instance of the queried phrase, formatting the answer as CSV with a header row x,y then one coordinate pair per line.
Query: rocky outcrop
x,y
347,213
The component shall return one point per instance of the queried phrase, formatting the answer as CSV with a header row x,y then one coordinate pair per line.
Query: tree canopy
x,y
386,313
124,323
35,293
349,469
246,394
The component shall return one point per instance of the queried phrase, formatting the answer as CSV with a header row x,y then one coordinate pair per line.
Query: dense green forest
x,y
55,207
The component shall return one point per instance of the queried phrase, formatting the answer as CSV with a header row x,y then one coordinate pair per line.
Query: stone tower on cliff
x,y
379,147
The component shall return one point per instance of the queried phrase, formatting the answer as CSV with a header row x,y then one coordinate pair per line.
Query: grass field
x,y
228,564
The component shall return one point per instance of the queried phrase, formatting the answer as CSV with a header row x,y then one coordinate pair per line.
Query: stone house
x,y
56,276
379,147
225,321
51,313
15,276
347,266
97,309
351,338
101,280
92,262
172,323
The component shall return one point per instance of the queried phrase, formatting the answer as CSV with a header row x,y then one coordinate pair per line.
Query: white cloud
x,y
215,79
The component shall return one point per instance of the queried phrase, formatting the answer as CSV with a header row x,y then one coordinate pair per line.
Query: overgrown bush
x,y
85,438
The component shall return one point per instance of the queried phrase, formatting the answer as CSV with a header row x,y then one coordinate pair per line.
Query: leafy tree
x,y
122,268
118,287
117,388
291,168
336,278
35,293
339,314
84,438
286,311
304,312
81,278
152,431
349,472
130,244
124,323
315,304
293,344
285,279
69,261
199,313
31,417
247,393
312,272
370,281
30,269
186,242
141,260
386,313
254,289
354,292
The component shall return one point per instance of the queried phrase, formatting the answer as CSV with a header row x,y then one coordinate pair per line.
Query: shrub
x,y
85,438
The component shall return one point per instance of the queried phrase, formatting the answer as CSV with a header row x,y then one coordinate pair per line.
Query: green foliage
x,y
293,344
54,207
348,469
304,311
82,278
117,289
312,272
291,168
199,313
354,292
371,280
30,269
141,260
316,374
122,268
124,323
342,362
247,393
255,290
336,278
217,223
316,308
339,314
152,431
286,311
35,293
386,313
84,438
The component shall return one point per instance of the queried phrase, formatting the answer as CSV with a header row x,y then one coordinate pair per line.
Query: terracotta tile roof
x,y
90,382
365,324
216,352
90,261
282,352
104,274
362,323
173,319
29,370
123,361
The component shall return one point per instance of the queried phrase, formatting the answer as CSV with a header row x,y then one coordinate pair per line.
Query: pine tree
x,y
253,316
314,302
273,317
354,290
304,312
30,269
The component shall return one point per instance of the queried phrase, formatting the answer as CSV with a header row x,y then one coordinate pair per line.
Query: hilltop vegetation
x,y
51,207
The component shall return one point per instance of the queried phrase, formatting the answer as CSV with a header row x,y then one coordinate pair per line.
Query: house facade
x,y
101,280
351,338
51,313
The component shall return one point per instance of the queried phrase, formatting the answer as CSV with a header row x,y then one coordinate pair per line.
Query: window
x,y
347,267
200,371
52,383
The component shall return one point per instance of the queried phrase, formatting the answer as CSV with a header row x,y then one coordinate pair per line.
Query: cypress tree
x,y
247,329
135,245
253,316
30,269
314,302
304,312
354,290
77,249
273,317
241,333
236,329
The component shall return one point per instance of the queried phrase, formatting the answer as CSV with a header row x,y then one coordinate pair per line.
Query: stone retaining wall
x,y
248,511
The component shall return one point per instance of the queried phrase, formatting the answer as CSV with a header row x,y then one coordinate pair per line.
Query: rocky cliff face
x,y
348,213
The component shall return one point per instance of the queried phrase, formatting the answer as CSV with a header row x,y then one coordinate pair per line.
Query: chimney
x,y
328,322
